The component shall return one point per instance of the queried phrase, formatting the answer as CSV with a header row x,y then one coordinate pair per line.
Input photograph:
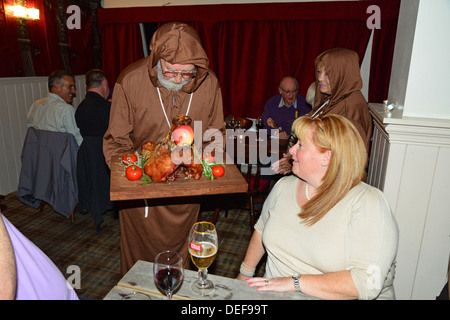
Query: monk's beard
x,y
169,84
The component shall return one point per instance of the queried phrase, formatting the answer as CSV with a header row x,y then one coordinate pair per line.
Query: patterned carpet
x,y
98,256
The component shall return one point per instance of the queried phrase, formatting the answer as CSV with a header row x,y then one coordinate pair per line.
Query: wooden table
x,y
123,189
140,279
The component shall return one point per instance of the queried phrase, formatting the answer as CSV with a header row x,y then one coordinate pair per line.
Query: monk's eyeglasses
x,y
186,75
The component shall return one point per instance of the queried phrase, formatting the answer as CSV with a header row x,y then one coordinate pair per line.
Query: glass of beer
x,y
203,246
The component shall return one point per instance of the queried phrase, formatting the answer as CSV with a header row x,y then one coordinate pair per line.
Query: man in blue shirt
x,y
281,110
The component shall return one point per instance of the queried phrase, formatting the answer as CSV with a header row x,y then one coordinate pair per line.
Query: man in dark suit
x,y
92,117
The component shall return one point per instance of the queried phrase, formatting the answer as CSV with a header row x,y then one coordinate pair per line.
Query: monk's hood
x,y
178,43
342,68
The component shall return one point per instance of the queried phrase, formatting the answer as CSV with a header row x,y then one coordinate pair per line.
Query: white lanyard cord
x,y
164,110
316,114
189,105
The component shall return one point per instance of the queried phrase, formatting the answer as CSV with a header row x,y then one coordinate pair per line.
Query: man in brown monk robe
x,y
174,79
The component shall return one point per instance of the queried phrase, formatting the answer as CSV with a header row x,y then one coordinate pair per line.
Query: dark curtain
x,y
81,44
254,55
251,47
383,53
44,39
11,64
121,46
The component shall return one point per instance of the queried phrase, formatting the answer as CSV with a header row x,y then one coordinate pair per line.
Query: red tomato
x,y
129,158
133,173
218,171
209,158
183,135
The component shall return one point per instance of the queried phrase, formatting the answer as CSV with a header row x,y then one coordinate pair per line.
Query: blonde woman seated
x,y
327,234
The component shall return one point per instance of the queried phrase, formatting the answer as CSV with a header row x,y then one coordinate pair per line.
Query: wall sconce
x,y
25,13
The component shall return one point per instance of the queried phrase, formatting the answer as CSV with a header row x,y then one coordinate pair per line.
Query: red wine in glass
x,y
168,272
168,279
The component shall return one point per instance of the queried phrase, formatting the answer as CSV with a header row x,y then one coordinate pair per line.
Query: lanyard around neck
x,y
164,110
317,113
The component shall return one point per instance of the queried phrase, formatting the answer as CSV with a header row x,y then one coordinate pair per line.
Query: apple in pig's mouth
x,y
183,135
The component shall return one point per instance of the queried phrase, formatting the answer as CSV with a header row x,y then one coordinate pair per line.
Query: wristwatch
x,y
296,278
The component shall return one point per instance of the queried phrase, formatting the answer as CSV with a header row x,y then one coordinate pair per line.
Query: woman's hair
x,y
347,163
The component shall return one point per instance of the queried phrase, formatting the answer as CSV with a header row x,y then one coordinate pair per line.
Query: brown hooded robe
x,y
137,117
346,99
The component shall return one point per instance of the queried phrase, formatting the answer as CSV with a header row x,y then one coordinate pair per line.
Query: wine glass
x,y
203,246
232,123
260,123
168,271
259,126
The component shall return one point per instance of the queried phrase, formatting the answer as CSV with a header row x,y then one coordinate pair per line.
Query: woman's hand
x,y
282,284
241,277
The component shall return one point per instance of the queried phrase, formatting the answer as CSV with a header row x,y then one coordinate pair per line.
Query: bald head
x,y
288,89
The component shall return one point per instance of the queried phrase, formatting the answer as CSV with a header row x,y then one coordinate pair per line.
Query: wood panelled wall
x,y
410,165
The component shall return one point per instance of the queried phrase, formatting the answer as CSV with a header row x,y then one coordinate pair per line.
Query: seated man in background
x,y
281,110
55,112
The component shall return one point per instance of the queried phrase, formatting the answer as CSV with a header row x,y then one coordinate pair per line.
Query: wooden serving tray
x,y
124,189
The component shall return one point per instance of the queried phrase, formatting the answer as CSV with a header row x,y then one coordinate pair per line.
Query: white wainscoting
x,y
16,97
378,156
411,166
